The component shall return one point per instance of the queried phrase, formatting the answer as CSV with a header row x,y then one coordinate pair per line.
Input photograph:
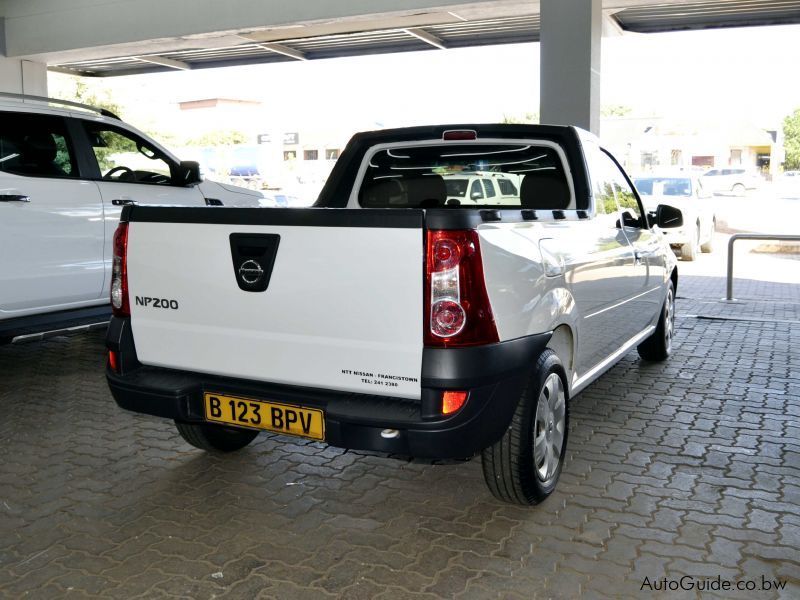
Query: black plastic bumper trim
x,y
356,420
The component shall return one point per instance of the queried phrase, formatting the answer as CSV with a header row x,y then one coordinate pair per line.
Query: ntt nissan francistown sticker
x,y
378,379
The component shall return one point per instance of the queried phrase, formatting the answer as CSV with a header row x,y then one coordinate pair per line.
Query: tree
x,y
111,144
791,141
220,138
529,117
82,93
615,110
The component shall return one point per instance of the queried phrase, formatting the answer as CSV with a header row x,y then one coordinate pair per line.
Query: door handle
x,y
123,202
14,198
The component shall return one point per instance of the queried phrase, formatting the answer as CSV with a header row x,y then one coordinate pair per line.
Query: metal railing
x,y
752,236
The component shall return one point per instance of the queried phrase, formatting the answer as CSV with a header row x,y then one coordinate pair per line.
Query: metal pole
x,y
751,236
729,291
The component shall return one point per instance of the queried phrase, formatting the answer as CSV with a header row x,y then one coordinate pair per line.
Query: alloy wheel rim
x,y
669,319
549,429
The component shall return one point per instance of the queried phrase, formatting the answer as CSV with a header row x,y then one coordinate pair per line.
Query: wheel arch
x,y
562,342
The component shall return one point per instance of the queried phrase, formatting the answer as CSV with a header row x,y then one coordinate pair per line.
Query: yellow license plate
x,y
271,416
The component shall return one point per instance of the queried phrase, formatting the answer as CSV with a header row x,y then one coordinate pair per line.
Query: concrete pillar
x,y
570,62
20,76
23,77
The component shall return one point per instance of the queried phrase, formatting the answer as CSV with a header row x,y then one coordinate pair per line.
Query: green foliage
x,y
612,110
615,110
791,141
83,93
529,117
220,138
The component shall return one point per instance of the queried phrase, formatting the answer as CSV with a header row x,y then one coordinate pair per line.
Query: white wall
x,y
23,77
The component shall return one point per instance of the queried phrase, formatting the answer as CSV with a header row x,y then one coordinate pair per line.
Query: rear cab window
x,y
481,174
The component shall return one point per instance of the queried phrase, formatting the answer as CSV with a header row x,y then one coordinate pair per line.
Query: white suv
x,y
482,188
65,174
736,180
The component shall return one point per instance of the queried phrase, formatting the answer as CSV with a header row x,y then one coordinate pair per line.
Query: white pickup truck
x,y
66,170
387,319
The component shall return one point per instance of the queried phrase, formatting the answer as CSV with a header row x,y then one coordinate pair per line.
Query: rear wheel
x,y
524,466
659,345
215,438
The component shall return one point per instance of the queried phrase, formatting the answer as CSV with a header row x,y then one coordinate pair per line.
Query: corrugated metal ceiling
x,y
505,30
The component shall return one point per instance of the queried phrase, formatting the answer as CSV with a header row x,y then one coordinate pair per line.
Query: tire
x,y
215,438
658,346
739,189
690,250
708,247
517,469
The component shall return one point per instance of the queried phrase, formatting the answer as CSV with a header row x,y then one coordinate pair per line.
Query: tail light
x,y
119,273
457,306
459,134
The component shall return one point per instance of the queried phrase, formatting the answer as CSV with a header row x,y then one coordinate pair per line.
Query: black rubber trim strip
x,y
469,218
298,217
54,320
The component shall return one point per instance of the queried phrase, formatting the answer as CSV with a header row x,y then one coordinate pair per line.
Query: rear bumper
x,y
493,375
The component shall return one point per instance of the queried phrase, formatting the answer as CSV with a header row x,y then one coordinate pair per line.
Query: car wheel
x,y
524,466
659,345
709,245
739,189
690,249
215,438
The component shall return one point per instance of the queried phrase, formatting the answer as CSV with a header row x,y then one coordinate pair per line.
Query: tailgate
x,y
342,308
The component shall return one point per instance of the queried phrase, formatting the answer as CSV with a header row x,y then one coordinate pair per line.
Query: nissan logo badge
x,y
250,271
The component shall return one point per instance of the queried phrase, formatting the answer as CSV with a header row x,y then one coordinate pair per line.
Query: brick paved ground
x,y
686,468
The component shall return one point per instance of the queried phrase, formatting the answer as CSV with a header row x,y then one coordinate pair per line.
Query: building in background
x,y
655,143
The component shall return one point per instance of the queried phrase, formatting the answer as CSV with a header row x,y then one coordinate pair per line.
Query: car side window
x,y
507,188
476,191
124,157
36,146
626,197
602,182
489,187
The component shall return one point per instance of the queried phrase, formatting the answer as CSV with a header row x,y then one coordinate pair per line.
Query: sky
x,y
747,74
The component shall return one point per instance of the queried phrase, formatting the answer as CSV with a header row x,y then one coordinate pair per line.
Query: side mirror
x,y
668,216
476,196
188,173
